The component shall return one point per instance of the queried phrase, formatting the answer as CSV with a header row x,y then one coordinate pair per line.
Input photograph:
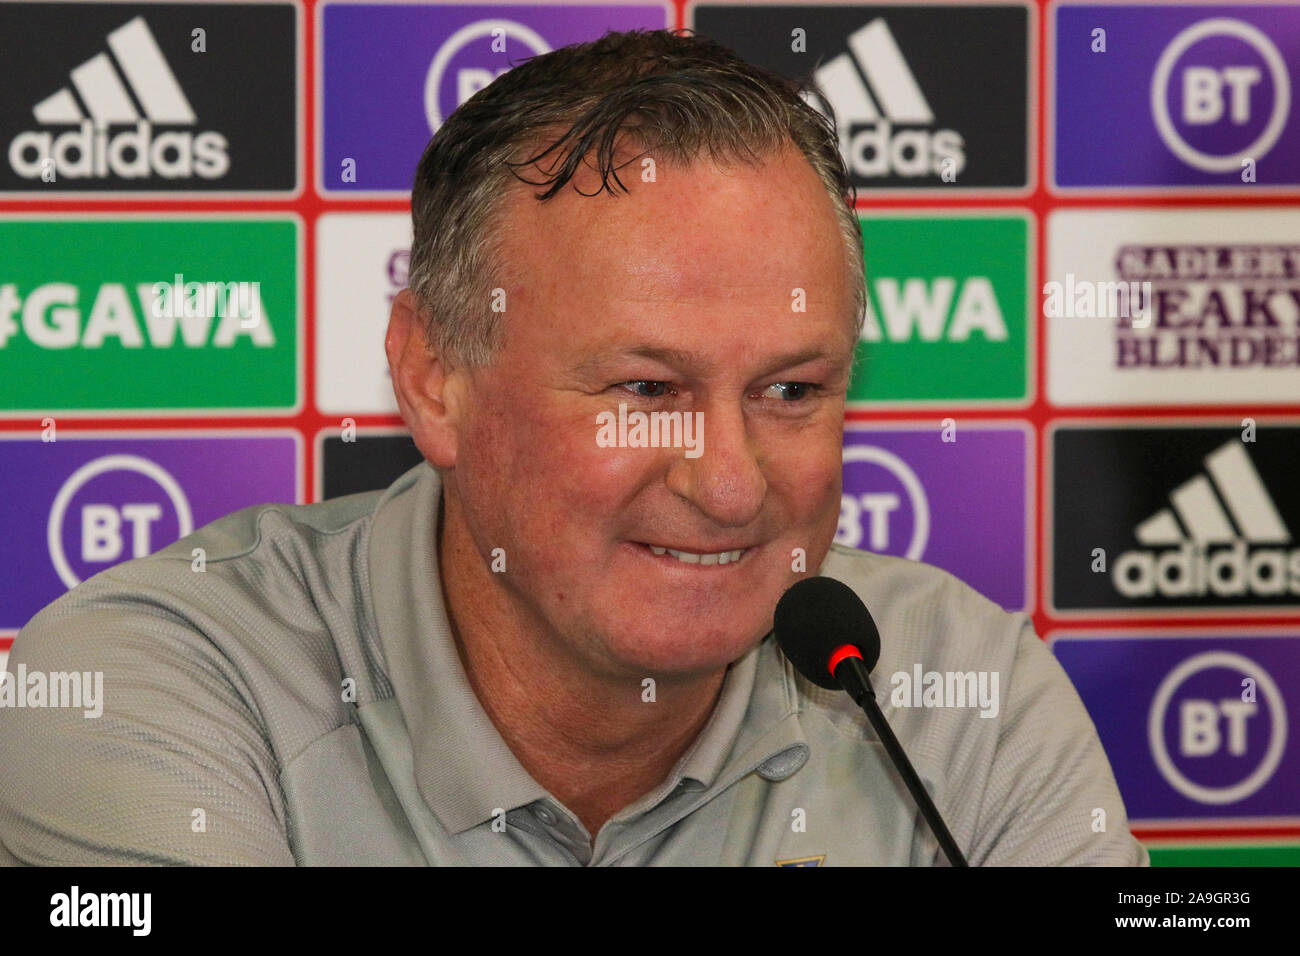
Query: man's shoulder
x,y
244,532
920,608
218,665
930,622
262,554
268,607
987,715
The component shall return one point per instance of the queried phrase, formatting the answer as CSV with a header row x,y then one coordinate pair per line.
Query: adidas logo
x,y
1198,548
135,86
870,145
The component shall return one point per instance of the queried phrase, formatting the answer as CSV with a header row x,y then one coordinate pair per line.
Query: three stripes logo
x,y
868,139
1222,535
133,87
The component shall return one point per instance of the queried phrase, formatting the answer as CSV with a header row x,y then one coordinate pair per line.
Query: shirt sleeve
x,y
1051,798
175,770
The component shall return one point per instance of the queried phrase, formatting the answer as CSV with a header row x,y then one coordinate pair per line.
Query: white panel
x,y
353,252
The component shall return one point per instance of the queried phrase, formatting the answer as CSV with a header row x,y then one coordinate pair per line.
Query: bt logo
x,y
1217,727
878,520
110,509
510,42
1220,94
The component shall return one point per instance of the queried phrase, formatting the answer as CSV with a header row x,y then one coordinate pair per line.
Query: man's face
x,y
708,291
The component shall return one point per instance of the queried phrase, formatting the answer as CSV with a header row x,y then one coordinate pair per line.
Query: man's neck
x,y
590,739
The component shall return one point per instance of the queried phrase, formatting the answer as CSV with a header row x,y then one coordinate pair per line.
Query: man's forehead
x,y
696,229
770,356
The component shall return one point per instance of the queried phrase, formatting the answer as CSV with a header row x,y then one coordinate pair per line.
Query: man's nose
x,y
726,481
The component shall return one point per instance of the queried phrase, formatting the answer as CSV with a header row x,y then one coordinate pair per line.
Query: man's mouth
x,y
697,557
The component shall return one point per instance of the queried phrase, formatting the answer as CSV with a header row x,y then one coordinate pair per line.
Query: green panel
x,y
84,324
1212,855
948,310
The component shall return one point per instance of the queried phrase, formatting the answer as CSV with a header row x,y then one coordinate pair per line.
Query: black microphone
x,y
827,633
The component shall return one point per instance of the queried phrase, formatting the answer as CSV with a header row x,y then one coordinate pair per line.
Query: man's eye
x,y
792,391
647,388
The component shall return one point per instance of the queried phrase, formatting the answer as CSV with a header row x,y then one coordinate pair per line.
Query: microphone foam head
x,y
814,618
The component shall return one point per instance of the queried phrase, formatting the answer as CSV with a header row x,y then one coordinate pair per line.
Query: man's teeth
x,y
687,557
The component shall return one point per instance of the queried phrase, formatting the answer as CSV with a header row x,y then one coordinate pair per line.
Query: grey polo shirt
x,y
301,700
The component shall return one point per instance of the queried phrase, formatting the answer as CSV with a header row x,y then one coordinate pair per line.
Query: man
x,y
546,645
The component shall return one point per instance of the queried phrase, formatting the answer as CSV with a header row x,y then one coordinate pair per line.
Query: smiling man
x,y
541,646
623,564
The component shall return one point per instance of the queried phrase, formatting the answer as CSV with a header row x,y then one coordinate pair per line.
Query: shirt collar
x,y
463,768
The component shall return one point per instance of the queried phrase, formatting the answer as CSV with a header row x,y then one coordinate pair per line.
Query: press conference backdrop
x,y
1081,380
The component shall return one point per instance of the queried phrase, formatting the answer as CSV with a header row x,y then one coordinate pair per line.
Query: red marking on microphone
x,y
841,652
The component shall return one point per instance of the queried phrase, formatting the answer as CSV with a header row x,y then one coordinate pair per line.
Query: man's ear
x,y
427,389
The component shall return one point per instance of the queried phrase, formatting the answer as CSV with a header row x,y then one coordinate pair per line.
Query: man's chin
x,y
683,649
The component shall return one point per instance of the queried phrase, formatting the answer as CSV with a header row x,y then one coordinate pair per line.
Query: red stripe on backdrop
x,y
1226,830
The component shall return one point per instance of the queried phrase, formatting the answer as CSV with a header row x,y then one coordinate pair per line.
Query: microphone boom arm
x,y
852,675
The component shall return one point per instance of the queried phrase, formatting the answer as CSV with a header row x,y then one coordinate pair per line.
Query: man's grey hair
x,y
680,96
